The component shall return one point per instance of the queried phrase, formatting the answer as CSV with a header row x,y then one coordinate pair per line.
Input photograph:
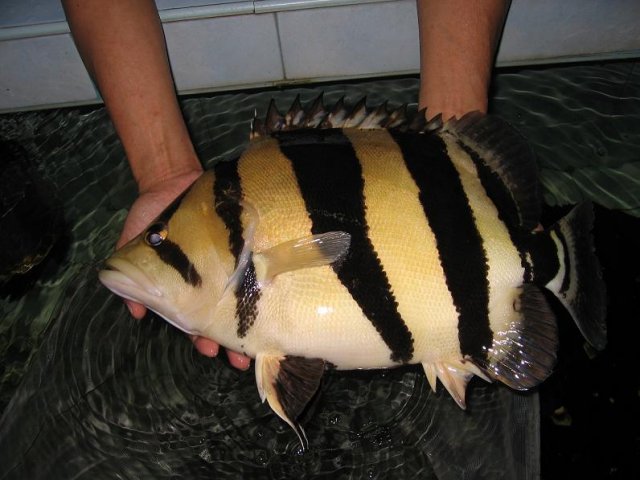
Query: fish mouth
x,y
130,282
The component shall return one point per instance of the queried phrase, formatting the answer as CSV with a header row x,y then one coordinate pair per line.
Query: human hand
x,y
144,210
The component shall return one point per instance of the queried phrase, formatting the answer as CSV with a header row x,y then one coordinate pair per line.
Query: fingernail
x,y
208,351
211,352
244,364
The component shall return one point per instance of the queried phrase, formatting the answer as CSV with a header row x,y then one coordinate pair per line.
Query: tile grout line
x,y
282,64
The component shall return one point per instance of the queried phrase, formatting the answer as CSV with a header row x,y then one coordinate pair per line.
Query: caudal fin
x,y
578,283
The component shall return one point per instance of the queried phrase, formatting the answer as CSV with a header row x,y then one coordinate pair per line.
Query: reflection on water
x,y
103,396
120,389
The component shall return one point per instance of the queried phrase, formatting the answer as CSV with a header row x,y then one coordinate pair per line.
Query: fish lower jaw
x,y
124,286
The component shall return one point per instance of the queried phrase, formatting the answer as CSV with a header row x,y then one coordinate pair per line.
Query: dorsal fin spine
x,y
359,116
316,113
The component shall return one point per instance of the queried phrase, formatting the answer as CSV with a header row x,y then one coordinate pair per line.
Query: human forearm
x,y
122,45
458,40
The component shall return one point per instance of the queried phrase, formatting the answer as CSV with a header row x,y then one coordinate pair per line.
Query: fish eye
x,y
156,234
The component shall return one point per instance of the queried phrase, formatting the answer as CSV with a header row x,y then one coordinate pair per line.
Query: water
x,y
87,392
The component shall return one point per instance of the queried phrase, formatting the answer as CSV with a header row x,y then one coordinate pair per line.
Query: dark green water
x,y
87,392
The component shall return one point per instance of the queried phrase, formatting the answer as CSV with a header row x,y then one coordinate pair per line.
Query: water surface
x,y
87,392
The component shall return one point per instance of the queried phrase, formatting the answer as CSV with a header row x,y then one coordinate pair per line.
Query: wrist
x,y
156,163
174,178
452,94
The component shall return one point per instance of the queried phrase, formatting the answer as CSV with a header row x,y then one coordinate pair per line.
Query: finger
x,y
238,360
137,310
205,346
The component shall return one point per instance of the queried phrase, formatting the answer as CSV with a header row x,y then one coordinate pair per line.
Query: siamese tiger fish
x,y
363,239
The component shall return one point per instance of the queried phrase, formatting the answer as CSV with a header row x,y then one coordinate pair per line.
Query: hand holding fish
x,y
123,48
260,255
144,210
300,278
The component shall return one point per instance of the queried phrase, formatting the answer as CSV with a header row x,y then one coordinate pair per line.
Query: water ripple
x,y
103,396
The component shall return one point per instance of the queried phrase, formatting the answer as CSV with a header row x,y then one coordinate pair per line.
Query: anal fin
x,y
454,375
432,374
288,383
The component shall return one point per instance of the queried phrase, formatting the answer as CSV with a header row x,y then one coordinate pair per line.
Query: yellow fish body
x,y
355,239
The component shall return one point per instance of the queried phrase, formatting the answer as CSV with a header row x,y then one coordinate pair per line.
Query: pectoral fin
x,y
305,252
288,383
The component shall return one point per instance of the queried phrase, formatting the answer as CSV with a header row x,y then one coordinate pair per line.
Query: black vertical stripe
x,y
172,255
247,296
502,198
227,193
330,179
460,246
168,212
544,257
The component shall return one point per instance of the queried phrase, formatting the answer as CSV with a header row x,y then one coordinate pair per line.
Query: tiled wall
x,y
227,44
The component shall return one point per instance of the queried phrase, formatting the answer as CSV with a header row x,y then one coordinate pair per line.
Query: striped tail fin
x,y
578,283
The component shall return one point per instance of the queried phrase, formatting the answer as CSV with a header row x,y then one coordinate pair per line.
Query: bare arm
x,y
122,45
458,40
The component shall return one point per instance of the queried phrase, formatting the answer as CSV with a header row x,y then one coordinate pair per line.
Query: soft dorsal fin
x,y
508,158
288,383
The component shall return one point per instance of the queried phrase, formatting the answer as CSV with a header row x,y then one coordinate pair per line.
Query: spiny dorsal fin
x,y
376,117
335,116
274,121
508,156
295,115
315,114
357,115
340,116
398,117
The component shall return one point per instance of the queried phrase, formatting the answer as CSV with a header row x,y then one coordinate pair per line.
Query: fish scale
x,y
362,238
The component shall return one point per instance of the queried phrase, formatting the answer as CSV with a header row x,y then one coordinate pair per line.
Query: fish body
x,y
357,239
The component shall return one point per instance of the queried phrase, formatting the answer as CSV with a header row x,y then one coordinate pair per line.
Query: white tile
x,y
568,29
169,4
350,41
32,12
179,10
222,52
263,6
42,71
28,12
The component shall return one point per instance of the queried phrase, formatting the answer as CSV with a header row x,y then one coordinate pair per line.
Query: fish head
x,y
180,264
